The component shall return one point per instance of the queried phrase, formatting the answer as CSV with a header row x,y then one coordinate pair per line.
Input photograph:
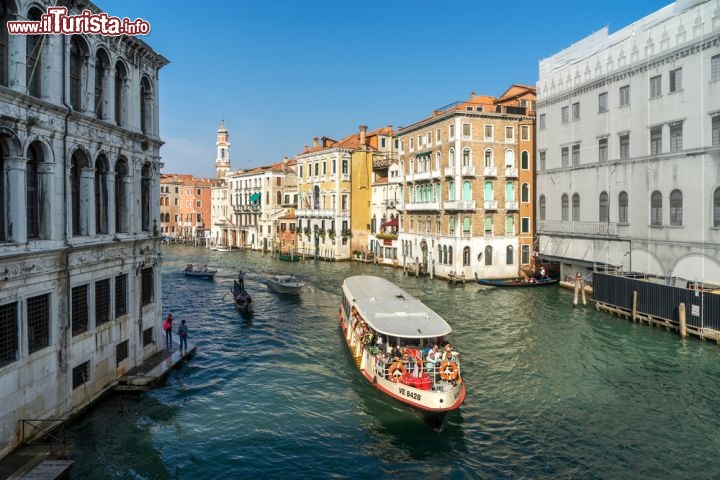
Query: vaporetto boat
x,y
373,308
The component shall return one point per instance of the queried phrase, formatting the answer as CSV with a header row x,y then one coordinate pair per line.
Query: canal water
x,y
553,391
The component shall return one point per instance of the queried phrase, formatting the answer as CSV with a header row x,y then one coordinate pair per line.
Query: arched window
x,y
146,103
444,255
525,193
278,198
77,61
525,160
509,255
467,191
466,158
576,207
564,208
510,225
716,208
488,192
101,194
623,207
120,102
542,207
32,189
4,17
676,208
466,225
451,191
488,225
489,158
466,256
604,203
488,255
509,159
509,192
439,254
122,224
102,63
438,161
656,208
145,181
33,57
451,158
78,162
450,256
451,225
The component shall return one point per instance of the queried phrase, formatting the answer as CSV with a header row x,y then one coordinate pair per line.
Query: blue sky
x,y
282,72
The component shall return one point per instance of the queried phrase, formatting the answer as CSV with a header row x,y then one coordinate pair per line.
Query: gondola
x,y
533,282
242,298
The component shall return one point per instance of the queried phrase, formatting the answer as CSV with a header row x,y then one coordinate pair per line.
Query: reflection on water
x,y
553,391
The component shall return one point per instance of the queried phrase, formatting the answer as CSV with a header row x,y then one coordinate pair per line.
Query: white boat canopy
x,y
390,310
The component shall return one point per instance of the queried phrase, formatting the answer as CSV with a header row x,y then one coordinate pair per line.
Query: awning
x,y
391,223
255,197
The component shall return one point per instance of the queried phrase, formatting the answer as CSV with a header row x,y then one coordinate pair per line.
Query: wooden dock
x,y
50,470
154,370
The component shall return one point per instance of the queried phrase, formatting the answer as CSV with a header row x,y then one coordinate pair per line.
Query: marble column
x,y
110,185
46,171
87,201
16,208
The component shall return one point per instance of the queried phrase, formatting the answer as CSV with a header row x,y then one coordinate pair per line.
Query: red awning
x,y
391,223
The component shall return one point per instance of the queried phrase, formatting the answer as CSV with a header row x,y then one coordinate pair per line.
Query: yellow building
x,y
334,179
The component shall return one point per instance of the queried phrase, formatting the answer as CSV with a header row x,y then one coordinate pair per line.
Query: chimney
x,y
306,149
315,142
363,140
473,94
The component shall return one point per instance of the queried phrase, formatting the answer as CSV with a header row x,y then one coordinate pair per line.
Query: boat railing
x,y
415,371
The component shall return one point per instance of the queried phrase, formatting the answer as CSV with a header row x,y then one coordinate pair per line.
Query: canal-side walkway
x,y
40,459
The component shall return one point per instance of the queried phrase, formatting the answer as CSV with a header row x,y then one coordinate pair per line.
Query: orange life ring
x,y
449,371
394,368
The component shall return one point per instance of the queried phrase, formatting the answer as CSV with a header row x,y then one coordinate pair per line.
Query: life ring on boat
x,y
396,366
449,371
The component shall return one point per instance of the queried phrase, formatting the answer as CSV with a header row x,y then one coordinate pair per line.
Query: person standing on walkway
x,y
183,332
167,326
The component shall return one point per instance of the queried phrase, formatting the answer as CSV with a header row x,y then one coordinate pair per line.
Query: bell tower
x,y
222,161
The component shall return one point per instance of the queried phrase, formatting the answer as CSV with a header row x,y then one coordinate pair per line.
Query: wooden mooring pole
x,y
634,305
683,321
579,290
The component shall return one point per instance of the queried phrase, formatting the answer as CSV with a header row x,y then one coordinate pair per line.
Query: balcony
x,y
468,171
422,175
345,177
410,177
449,172
511,205
315,213
490,205
463,205
490,171
414,207
511,172
600,229
435,173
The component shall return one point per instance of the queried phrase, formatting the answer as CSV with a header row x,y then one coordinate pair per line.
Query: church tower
x,y
222,161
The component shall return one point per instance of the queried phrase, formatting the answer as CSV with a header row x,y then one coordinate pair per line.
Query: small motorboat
x,y
289,284
242,298
204,272
531,282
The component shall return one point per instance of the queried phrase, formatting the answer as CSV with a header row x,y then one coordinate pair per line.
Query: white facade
x,y
628,170
386,197
79,196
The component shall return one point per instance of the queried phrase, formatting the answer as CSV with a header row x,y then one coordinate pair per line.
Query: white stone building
x,y
628,145
79,195
384,215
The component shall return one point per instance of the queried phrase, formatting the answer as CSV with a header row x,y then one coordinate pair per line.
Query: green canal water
x,y
553,391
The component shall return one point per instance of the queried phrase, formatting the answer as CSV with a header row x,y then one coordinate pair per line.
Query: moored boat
x,y
205,272
289,257
532,282
391,334
242,298
289,284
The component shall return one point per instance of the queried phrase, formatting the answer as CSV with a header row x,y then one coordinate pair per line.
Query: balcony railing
x,y
422,206
449,172
435,173
468,171
316,213
511,172
511,205
422,175
578,228
490,171
463,205
490,204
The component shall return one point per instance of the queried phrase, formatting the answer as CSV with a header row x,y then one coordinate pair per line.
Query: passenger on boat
x,y
205,268
379,342
189,267
395,352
